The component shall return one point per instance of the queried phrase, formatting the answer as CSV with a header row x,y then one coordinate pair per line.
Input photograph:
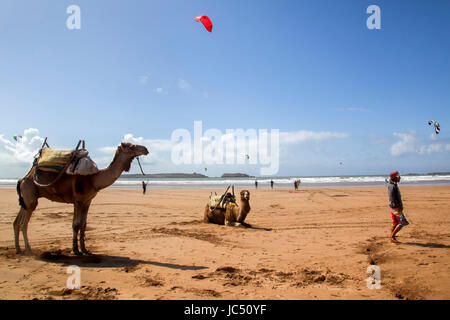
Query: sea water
x,y
264,182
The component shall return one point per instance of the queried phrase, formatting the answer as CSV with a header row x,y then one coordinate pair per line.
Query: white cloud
x,y
160,91
286,138
435,147
107,150
409,144
143,79
154,144
160,149
183,84
294,137
155,147
23,150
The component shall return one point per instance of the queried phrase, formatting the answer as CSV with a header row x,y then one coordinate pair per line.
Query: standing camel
x,y
76,189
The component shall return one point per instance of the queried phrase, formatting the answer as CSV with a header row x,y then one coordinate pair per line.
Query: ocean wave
x,y
278,181
283,181
8,181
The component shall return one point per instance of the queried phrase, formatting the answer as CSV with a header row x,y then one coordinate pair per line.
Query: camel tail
x,y
21,202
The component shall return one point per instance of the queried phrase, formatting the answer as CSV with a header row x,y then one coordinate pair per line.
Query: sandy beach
x,y
314,244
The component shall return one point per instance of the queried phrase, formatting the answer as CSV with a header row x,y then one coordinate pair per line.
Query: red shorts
x,y
398,218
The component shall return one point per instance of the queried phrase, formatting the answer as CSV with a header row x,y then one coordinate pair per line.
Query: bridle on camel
x,y
140,166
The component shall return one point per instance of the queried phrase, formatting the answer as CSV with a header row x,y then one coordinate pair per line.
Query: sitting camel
x,y
76,189
232,215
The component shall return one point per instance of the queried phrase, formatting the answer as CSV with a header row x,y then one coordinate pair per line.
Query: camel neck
x,y
106,177
245,205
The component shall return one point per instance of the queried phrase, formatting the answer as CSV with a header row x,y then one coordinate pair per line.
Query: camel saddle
x,y
51,164
54,160
220,201
72,161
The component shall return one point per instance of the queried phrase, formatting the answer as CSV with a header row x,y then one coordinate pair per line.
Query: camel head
x,y
130,151
245,195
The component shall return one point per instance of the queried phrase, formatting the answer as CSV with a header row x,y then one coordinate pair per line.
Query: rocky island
x,y
236,175
166,175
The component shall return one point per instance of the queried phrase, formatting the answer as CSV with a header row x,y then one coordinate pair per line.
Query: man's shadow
x,y
428,245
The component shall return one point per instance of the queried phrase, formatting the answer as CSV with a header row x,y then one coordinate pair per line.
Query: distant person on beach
x,y
144,187
271,184
256,184
396,205
295,184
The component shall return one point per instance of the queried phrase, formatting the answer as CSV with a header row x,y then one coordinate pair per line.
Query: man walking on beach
x,y
396,206
271,184
256,184
144,187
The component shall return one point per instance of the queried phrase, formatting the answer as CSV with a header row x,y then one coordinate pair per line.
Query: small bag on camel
x,y
82,164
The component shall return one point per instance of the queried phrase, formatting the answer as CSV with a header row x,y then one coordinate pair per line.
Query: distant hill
x,y
236,175
439,173
165,175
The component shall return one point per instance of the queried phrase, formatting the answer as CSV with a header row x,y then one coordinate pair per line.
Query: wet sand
x,y
314,244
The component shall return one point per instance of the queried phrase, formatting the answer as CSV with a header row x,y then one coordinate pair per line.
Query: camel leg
x,y
84,210
241,217
24,228
16,226
21,223
205,215
230,219
24,215
17,223
76,226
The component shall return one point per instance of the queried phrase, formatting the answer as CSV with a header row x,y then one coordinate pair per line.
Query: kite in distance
x,y
17,136
206,22
437,127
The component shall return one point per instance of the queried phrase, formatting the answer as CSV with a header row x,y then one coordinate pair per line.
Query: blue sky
x,y
146,68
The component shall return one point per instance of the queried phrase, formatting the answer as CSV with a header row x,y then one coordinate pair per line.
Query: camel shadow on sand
x,y
428,245
106,261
